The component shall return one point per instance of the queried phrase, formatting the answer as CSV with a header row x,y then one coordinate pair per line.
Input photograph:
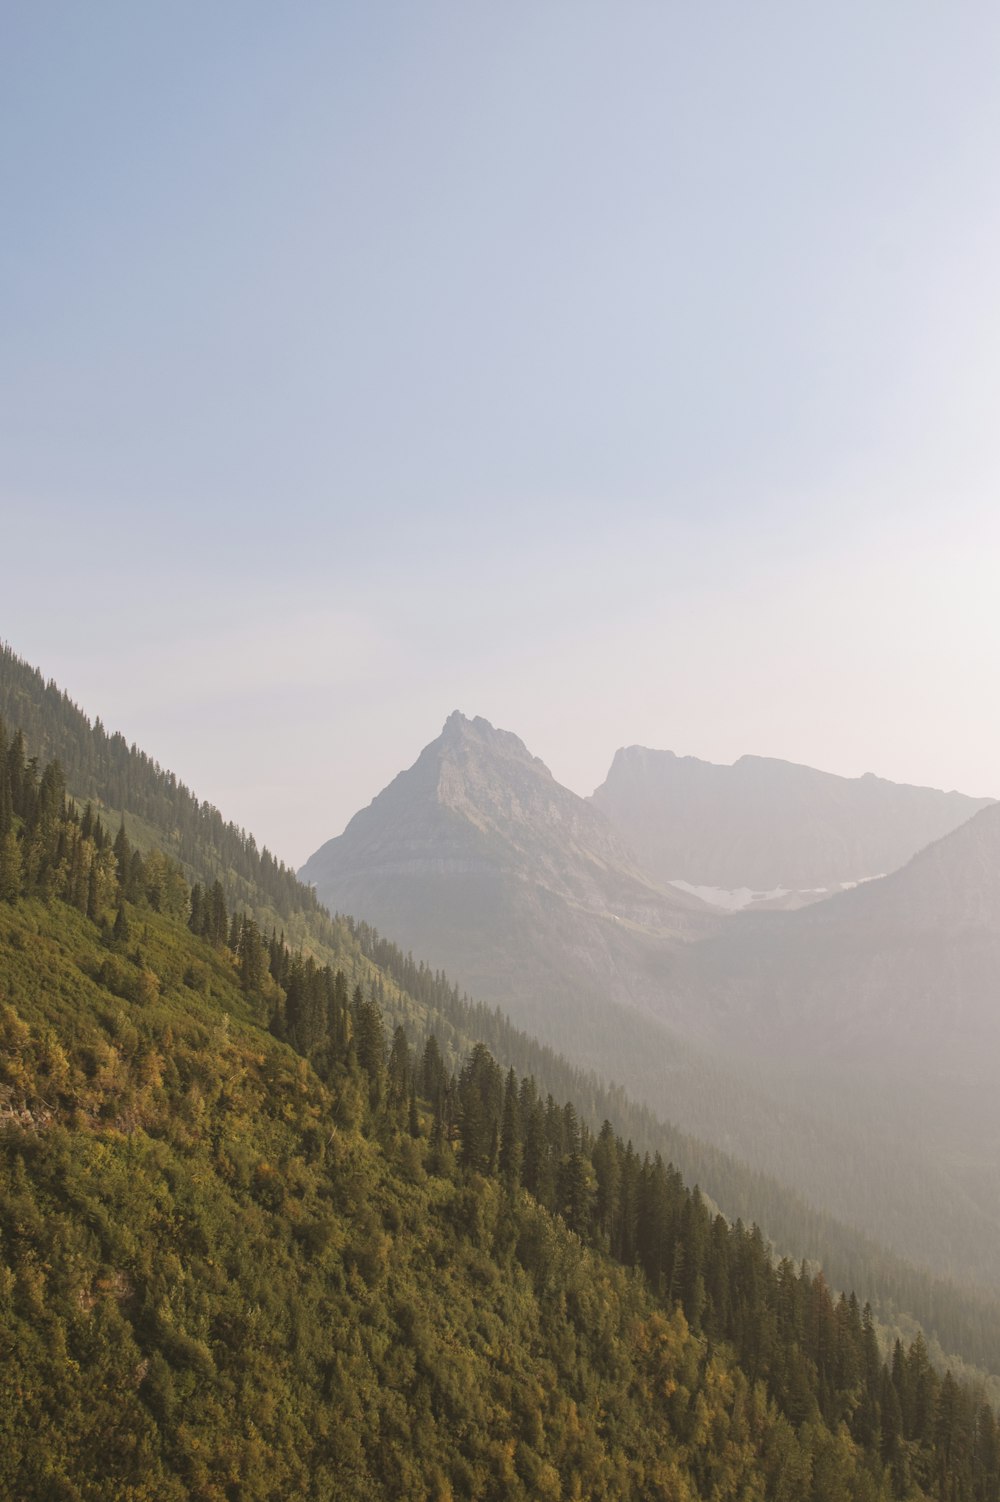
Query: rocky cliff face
x,y
478,859
765,824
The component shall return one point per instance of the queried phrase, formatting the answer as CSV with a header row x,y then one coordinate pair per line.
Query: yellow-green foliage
x,y
209,1289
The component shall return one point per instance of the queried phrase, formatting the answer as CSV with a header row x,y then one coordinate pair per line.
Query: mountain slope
x,y
103,767
477,857
214,1283
229,1271
478,860
904,971
895,987
765,824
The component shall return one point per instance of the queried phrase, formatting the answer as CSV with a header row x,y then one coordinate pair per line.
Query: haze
x,y
620,374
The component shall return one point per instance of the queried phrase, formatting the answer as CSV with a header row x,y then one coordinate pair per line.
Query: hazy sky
x,y
622,373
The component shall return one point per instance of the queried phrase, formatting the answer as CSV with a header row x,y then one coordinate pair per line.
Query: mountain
x,y
764,825
247,1249
477,858
897,980
159,812
879,1009
160,815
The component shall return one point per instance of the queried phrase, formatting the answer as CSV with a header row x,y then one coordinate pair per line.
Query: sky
x,y
622,373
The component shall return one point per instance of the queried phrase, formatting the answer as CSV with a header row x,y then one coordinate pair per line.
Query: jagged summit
x,y
479,856
479,737
512,812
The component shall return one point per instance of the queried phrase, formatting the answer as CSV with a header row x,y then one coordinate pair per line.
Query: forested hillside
x,y
960,1322
251,1245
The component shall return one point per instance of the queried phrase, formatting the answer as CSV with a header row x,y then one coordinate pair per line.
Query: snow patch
x,y
735,899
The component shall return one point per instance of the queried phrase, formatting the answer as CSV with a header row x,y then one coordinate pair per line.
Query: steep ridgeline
x,y
226,864
477,858
159,809
762,825
250,1249
894,986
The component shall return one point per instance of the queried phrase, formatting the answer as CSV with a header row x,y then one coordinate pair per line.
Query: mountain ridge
x,y
489,778
105,768
766,823
486,880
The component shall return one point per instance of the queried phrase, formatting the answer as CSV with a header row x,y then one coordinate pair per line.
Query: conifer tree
x,y
121,931
6,799
196,917
123,854
10,867
250,952
511,1153
399,1069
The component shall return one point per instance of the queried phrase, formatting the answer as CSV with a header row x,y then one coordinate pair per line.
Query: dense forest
x,y
255,1243
161,815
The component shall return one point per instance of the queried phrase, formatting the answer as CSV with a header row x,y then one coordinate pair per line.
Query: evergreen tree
x,y
511,1152
400,1069
196,917
121,931
10,867
123,854
250,952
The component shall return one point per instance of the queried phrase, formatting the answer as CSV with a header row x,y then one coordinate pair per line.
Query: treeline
x,y
816,1356
220,1277
213,852
962,1320
49,849
103,767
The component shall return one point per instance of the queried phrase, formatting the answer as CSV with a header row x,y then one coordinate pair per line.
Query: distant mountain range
x,y
249,1249
763,824
895,985
903,1193
846,1047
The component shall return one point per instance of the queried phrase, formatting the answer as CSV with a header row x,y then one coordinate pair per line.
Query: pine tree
x,y
196,918
123,854
511,1153
17,776
250,952
6,798
432,1070
400,1069
10,867
607,1170
217,922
